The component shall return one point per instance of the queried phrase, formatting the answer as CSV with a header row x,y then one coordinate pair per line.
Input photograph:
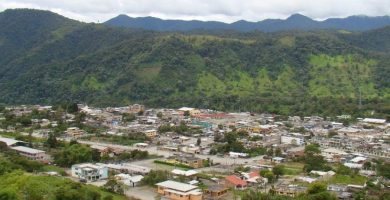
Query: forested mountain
x,y
46,58
294,22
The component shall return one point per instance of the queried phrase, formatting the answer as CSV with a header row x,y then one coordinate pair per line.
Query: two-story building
x,y
90,172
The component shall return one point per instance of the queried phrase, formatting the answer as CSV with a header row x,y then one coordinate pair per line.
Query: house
x,y
353,165
190,161
253,178
238,155
189,173
74,132
333,154
141,145
191,111
103,150
323,175
90,172
358,159
33,154
290,190
128,180
296,152
235,182
129,168
150,133
374,121
293,138
337,188
307,179
136,108
11,142
179,191
216,191
278,159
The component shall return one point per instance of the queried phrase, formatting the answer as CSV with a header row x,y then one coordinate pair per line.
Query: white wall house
x,y
90,172
292,139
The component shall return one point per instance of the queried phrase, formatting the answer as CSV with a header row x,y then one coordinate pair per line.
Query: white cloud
x,y
219,10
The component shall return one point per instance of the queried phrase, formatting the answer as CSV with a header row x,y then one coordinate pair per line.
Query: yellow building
x,y
192,111
151,133
179,191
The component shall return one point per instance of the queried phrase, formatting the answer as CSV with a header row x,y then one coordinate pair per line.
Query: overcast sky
x,y
218,10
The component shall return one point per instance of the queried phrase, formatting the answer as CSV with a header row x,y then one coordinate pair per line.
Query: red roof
x,y
233,179
254,174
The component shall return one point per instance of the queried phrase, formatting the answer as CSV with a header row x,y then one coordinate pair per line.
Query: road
x,y
153,150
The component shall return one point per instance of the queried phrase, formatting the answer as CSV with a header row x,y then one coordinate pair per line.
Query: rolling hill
x,y
46,58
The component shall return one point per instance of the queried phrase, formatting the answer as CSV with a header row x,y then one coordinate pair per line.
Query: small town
x,y
193,154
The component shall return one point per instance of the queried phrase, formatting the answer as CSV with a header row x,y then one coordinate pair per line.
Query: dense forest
x,y
47,59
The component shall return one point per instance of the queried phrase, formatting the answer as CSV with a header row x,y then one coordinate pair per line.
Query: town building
x,y
74,132
90,172
179,191
150,133
294,139
33,154
235,182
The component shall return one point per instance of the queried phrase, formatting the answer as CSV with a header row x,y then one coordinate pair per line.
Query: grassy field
x,y
344,179
293,168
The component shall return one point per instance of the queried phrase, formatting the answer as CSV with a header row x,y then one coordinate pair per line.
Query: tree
x,y
343,170
270,176
155,177
318,191
128,117
367,165
270,152
278,152
73,154
316,187
313,159
159,115
198,141
332,133
278,170
72,108
108,197
312,149
51,141
114,186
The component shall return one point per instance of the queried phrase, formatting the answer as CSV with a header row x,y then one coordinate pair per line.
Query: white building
x,y
11,142
295,139
33,154
374,121
129,180
238,155
90,172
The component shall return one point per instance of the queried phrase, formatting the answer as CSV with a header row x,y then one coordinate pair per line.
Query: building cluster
x,y
189,138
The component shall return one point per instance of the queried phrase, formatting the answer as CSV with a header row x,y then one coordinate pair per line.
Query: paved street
x,y
153,150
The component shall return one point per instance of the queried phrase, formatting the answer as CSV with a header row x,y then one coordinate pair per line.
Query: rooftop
x,y
182,187
235,180
9,141
27,150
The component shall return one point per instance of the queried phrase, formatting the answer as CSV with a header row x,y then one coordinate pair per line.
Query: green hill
x,y
46,58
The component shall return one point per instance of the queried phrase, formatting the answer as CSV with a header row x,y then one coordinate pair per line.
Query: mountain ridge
x,y
294,22
291,72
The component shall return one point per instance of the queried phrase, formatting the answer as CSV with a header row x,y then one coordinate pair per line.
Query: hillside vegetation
x,y
46,58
